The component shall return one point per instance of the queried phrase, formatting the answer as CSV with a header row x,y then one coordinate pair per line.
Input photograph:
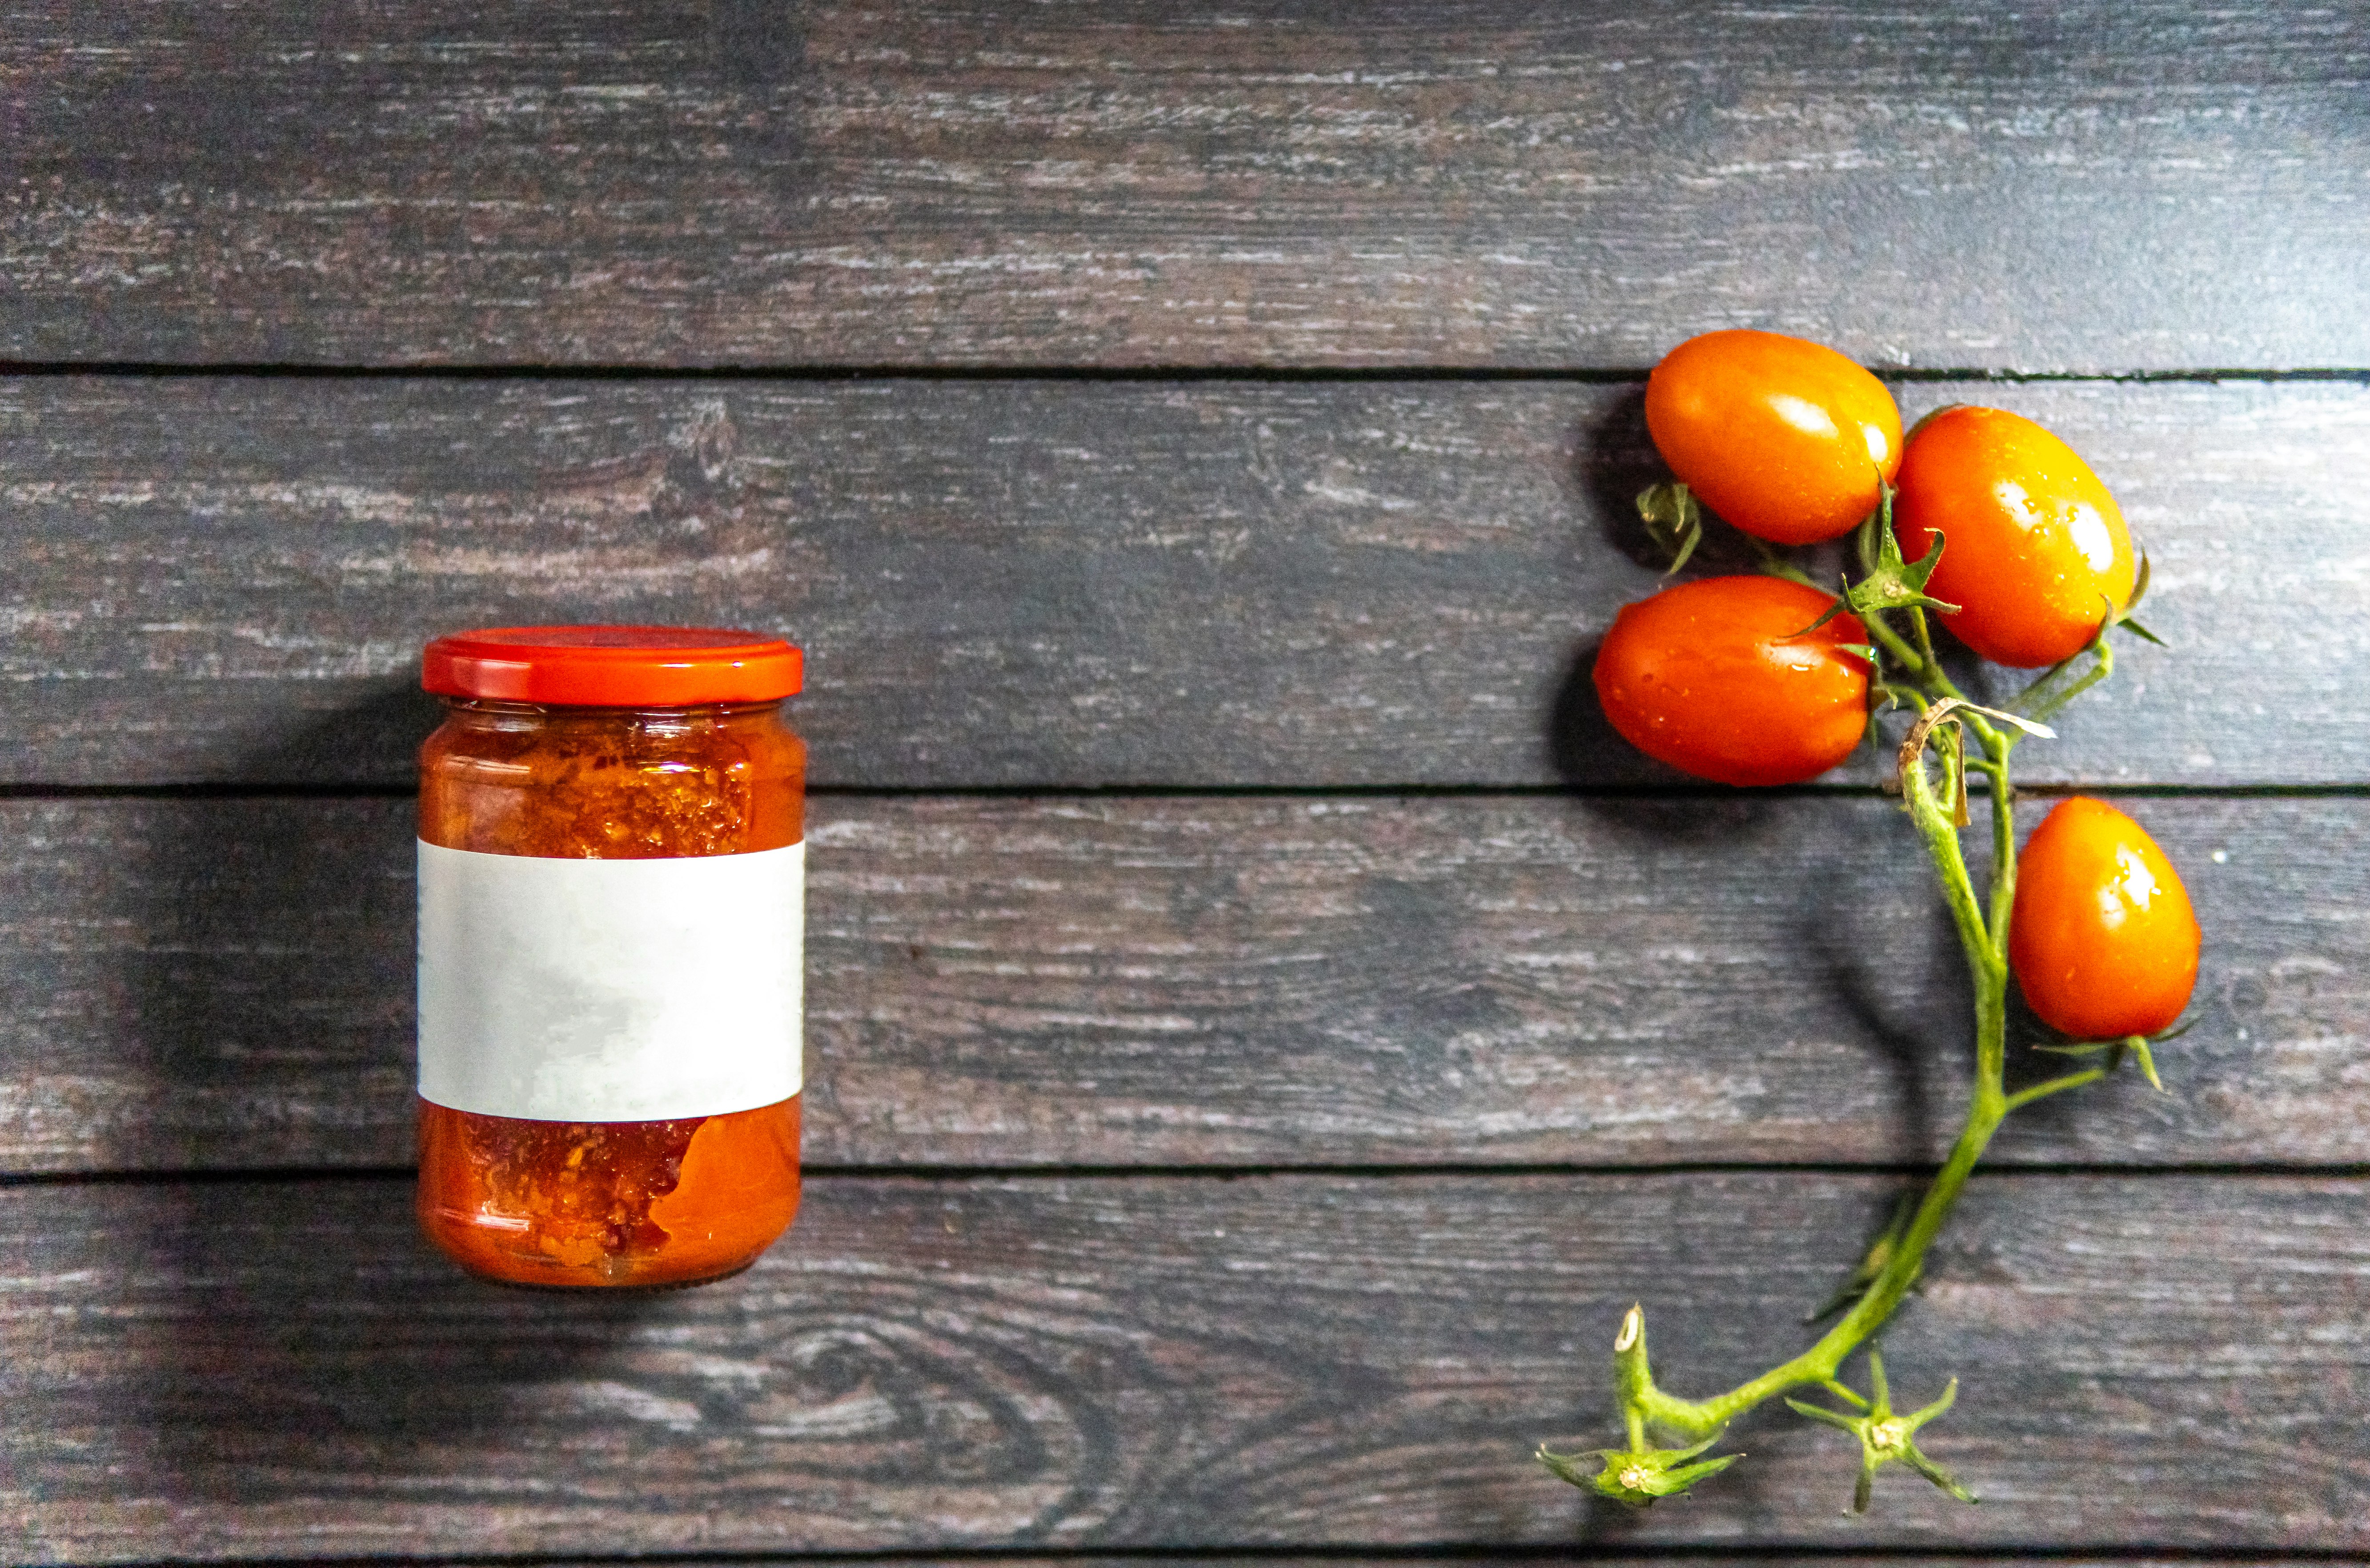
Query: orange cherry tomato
x,y
2102,939
1712,678
1784,439
2034,550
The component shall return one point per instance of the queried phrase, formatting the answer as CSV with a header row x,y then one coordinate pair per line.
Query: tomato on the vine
x,y
1718,678
1788,440
2102,938
2034,551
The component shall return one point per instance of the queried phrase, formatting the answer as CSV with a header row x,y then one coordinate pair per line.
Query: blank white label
x,y
610,991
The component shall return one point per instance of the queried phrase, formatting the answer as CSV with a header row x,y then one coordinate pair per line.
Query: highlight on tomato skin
x,y
2102,938
1783,438
2035,553
1718,678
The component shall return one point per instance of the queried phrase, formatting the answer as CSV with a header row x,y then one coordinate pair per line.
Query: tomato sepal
x,y
1638,1477
1885,1438
2124,617
1889,580
1640,1474
1674,521
2136,1047
1892,581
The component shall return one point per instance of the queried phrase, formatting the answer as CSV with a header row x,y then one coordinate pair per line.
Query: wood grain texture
x,y
1014,583
1679,1558
272,1370
227,984
1675,1557
2098,186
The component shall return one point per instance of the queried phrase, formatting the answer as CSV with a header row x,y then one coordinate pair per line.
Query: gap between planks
x,y
951,1175
1629,1556
1615,375
2048,790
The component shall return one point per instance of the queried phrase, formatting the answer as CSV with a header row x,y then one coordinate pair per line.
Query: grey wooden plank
x,y
2095,186
1203,584
1678,1559
1111,982
1675,1558
227,1369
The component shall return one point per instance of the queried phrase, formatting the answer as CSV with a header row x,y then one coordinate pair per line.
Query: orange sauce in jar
x,y
544,1199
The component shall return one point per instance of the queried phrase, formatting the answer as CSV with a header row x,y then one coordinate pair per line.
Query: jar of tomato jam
x,y
611,909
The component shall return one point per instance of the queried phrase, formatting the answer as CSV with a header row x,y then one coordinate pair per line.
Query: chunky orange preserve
x,y
610,1203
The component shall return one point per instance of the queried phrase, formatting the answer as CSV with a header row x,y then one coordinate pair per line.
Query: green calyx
x,y
1638,1477
1674,521
1888,579
2124,617
2133,1047
1642,1473
1885,1437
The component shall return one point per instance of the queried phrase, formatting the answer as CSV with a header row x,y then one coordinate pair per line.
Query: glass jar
x,y
612,882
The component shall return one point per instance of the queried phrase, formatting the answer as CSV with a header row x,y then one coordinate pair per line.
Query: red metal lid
x,y
613,667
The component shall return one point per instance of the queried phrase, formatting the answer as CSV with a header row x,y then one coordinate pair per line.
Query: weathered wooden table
x,y
1264,1030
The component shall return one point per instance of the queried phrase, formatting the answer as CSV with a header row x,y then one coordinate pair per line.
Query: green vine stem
x,y
1987,958
1966,737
